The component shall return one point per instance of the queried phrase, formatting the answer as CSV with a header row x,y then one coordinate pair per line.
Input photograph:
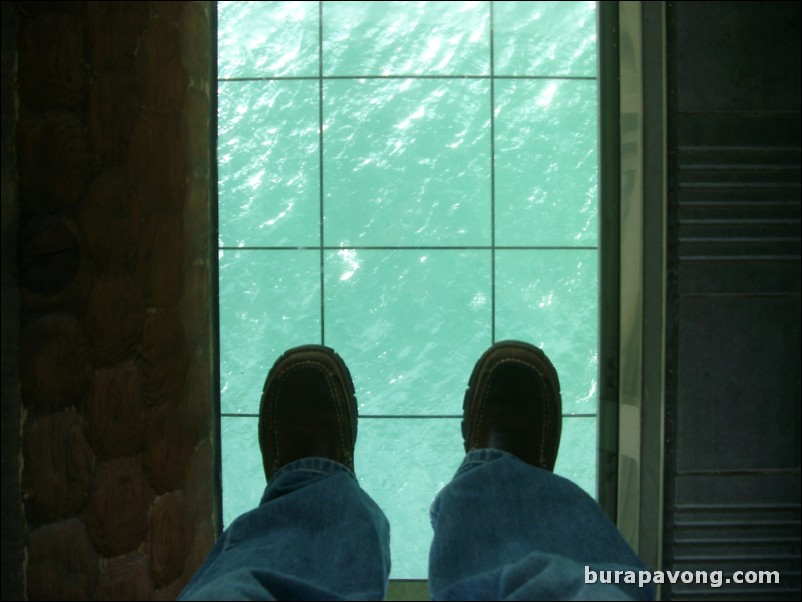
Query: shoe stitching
x,y
280,383
333,390
548,418
546,421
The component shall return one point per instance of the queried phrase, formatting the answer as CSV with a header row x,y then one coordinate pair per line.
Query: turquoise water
x,y
426,188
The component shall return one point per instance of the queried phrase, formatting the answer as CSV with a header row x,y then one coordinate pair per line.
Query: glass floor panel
x,y
402,464
406,182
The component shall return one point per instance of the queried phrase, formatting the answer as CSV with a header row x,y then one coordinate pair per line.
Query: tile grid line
x,y
492,184
413,248
403,76
400,416
320,170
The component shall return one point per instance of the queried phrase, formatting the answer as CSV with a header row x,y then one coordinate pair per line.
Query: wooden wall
x,y
115,279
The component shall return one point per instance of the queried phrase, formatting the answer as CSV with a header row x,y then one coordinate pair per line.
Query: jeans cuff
x,y
482,456
299,473
312,465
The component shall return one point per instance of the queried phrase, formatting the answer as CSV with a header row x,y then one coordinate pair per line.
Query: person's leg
x,y
316,534
506,527
506,530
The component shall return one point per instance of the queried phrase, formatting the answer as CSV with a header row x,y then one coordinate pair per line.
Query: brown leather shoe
x,y
308,409
513,403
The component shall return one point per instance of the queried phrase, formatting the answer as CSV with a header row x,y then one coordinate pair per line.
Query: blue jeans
x,y
503,530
